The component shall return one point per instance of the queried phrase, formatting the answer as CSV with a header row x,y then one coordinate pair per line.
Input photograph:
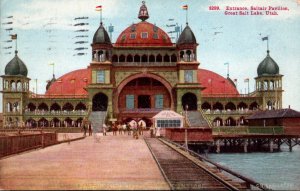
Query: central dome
x,y
143,34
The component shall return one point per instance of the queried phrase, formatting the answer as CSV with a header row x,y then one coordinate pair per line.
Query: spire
x,y
143,13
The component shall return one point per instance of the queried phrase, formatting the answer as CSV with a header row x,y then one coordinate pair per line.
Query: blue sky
x,y
46,35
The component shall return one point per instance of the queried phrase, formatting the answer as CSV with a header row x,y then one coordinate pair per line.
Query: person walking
x,y
90,129
128,126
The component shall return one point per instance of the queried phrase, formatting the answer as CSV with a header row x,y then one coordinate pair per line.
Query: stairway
x,y
97,119
196,119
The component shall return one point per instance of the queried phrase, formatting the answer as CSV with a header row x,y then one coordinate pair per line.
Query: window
x,y
129,101
100,76
159,101
144,35
188,76
168,123
155,36
132,35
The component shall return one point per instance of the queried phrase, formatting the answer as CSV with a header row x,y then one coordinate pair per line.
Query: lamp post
x,y
185,128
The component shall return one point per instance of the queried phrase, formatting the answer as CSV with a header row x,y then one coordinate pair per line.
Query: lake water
x,y
278,171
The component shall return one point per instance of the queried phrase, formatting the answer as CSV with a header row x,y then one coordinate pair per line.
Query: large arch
x,y
100,102
31,107
190,100
68,107
126,81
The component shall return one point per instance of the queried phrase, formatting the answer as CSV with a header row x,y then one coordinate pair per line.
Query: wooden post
x,y
218,146
271,145
278,144
290,145
246,145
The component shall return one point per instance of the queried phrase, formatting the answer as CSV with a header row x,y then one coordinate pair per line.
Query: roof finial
x,y
143,13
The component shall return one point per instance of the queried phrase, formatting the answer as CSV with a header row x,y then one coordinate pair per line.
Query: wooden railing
x,y
273,130
19,142
41,112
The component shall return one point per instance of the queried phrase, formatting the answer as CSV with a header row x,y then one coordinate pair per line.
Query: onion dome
x,y
143,13
267,67
16,67
101,36
187,36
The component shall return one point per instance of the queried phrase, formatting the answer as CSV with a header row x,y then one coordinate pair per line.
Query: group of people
x,y
134,129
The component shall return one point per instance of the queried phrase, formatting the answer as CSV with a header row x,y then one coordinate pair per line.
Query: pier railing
x,y
211,163
17,141
272,130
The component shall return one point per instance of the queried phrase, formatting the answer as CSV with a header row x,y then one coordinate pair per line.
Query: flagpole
x,y
268,43
186,16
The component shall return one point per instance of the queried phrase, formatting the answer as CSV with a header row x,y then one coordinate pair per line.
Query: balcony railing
x,y
57,96
228,112
142,110
54,112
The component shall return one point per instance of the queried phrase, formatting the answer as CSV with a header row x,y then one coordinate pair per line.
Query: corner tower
x,y
15,92
269,83
188,89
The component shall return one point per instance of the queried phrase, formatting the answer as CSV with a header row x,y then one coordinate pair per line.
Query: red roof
x,y
126,39
66,84
215,84
219,84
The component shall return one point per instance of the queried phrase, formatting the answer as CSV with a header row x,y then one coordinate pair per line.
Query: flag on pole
x,y
13,36
185,7
226,63
51,64
265,38
99,8
246,80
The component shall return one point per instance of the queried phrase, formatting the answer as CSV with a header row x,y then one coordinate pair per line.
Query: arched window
x,y
43,106
68,107
13,85
144,58
55,107
173,58
230,122
19,86
181,55
190,100
188,55
129,58
242,105
206,106
218,122
151,58
230,106
31,107
158,58
137,58
80,106
115,58
166,58
218,106
253,106
122,58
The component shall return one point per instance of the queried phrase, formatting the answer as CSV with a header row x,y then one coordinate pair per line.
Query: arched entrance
x,y
100,102
144,94
190,100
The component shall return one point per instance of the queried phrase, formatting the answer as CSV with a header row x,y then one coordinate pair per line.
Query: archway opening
x,y
189,100
144,101
100,102
206,106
